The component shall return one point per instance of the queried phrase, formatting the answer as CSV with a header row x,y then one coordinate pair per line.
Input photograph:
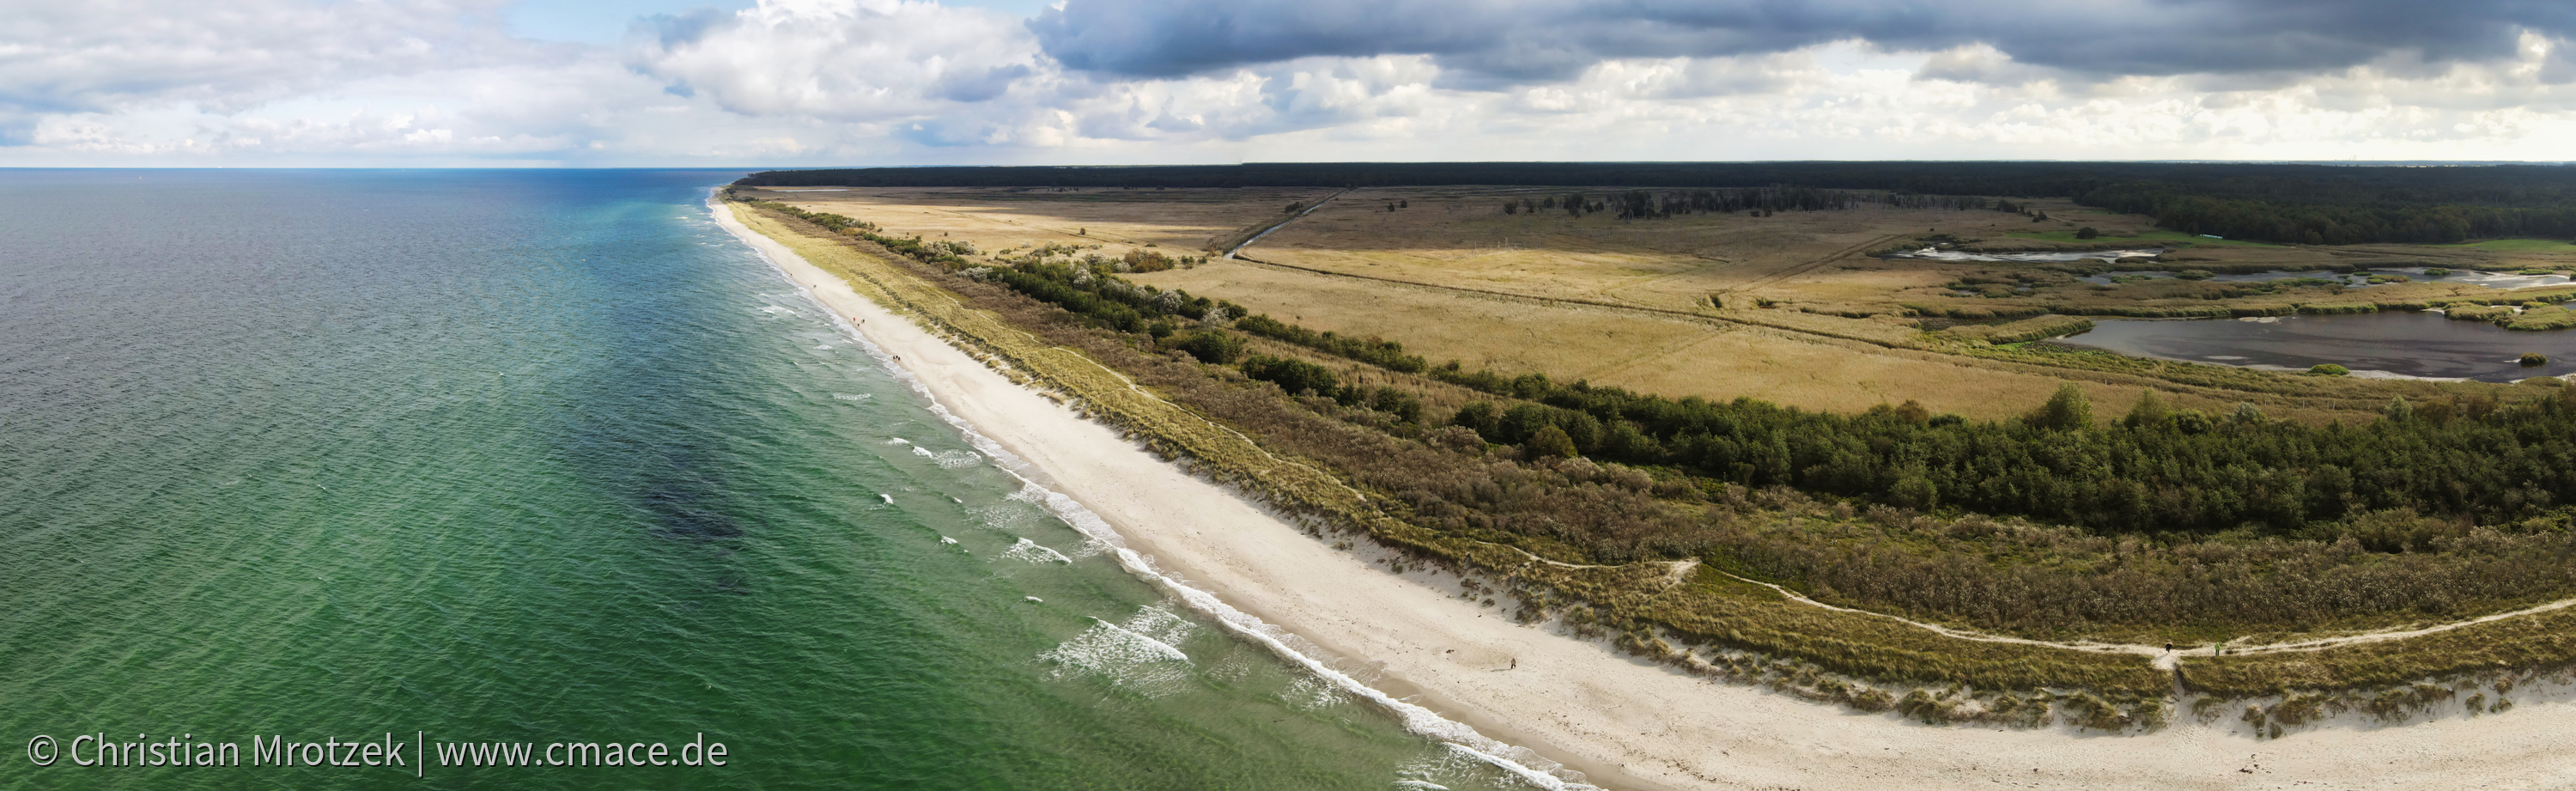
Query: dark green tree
x,y
1551,441
2068,410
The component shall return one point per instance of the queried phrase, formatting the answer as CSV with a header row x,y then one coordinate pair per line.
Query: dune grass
x,y
2537,642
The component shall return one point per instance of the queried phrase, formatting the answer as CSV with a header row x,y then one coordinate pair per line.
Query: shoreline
x,y
1623,722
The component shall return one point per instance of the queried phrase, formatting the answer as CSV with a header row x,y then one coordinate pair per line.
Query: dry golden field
x,y
1180,221
1801,316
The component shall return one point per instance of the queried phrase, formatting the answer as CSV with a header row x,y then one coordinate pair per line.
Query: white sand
x,y
1626,723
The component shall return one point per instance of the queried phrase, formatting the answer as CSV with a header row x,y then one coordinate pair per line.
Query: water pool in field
x,y
2422,344
2052,257
2494,280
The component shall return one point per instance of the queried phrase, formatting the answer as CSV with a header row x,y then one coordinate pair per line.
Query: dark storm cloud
x,y
1536,40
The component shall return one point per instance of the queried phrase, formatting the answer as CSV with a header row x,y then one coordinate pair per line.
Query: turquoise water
x,y
539,457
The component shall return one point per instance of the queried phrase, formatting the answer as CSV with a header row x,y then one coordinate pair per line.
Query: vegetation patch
x,y
2022,331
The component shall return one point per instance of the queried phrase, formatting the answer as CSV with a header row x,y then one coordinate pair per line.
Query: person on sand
x,y
1516,663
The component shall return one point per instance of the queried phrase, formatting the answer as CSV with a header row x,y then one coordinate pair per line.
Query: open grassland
x,y
1787,307
1461,237
1177,222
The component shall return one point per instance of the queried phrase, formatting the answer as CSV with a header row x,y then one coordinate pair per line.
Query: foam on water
x,y
1033,552
1129,659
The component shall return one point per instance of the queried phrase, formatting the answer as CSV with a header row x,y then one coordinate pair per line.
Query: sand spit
x,y
1624,722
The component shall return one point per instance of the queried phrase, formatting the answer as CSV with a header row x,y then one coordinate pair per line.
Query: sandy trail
x,y
1319,203
1626,723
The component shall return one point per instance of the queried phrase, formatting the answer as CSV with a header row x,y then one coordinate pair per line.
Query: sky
x,y
794,83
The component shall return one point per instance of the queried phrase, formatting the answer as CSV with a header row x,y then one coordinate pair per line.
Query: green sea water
x,y
546,457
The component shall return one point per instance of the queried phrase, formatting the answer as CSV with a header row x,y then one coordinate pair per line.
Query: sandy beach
x,y
1623,722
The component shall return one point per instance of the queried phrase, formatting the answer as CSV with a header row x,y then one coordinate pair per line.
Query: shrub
x,y
1211,346
2328,369
2086,232
1479,417
1551,441
2066,411
2534,358
1146,261
1293,376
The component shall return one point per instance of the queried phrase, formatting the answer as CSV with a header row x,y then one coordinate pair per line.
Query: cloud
x,y
824,82
861,60
89,57
1519,41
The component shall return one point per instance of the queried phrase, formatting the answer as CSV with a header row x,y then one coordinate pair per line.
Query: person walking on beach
x,y
1516,663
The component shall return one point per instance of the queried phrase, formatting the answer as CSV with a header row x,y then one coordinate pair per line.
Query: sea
x,y
539,479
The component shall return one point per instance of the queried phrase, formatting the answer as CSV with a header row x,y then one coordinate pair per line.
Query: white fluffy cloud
x,y
794,82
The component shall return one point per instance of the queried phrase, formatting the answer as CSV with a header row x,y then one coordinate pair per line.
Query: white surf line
x,y
1283,223
1166,649
1413,718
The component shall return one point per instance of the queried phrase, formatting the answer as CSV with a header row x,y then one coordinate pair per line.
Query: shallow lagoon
x,y
2415,344
2495,280
1933,254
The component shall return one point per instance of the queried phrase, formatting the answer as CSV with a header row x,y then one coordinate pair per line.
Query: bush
x,y
1477,416
1294,376
2086,232
2534,358
2328,369
1147,261
1551,441
2068,410
1210,346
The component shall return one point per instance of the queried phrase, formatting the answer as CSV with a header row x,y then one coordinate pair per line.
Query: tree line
x,y
2295,204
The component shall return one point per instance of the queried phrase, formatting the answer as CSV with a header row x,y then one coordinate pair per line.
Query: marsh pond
x,y
2410,344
